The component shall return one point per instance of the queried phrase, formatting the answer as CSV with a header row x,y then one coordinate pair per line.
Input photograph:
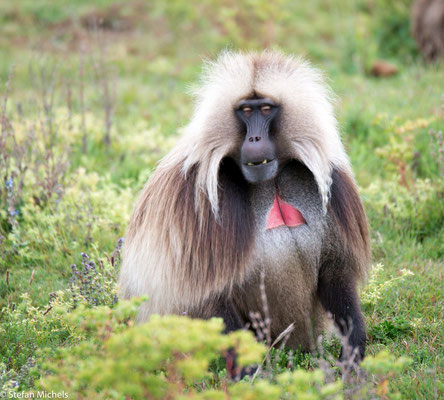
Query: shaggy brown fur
x,y
348,213
208,252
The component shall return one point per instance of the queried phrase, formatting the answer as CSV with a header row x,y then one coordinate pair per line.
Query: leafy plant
x,y
375,289
389,330
169,357
92,286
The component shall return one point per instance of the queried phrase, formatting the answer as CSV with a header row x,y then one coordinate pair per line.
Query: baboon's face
x,y
258,154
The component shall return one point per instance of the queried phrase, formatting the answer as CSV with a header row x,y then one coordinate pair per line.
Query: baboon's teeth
x,y
258,163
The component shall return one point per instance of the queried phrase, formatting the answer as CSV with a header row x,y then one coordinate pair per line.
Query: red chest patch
x,y
282,213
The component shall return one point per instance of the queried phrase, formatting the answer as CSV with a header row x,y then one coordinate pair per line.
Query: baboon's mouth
x,y
260,171
265,161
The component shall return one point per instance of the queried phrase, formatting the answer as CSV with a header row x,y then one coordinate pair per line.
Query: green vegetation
x,y
93,93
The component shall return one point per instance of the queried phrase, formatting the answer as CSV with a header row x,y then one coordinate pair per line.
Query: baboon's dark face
x,y
258,155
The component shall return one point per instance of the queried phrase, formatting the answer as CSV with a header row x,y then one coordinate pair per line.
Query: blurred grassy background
x,y
86,70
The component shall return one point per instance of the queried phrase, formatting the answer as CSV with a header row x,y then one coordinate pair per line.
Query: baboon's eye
x,y
266,109
246,111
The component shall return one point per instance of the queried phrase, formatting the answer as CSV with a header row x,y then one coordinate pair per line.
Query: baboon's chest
x,y
289,221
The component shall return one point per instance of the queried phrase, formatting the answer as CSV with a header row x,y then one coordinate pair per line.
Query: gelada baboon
x,y
427,24
259,182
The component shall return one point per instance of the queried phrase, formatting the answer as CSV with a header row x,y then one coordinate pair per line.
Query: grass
x,y
151,55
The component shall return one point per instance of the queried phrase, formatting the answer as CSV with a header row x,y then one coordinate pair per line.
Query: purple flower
x,y
9,183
